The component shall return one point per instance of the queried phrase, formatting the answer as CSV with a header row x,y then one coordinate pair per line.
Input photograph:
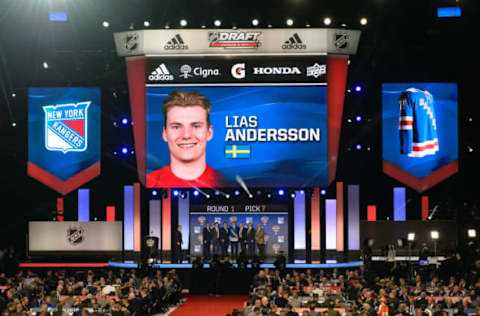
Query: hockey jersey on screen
x,y
417,124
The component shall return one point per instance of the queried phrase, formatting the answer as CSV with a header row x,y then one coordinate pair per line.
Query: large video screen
x,y
263,135
275,226
420,133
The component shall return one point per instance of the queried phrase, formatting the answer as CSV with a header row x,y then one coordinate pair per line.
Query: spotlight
x,y
154,193
217,192
469,119
259,192
307,25
183,22
237,193
470,149
302,192
269,195
358,147
349,120
255,22
203,26
358,118
323,191
124,150
167,26
217,23
293,195
227,196
183,195
472,233
196,193
105,24
207,196
434,234
14,124
115,124
114,153
411,236
363,21
327,21
269,26
281,192
124,121
358,88
146,23
175,192
250,196
289,22
14,95
343,25
45,65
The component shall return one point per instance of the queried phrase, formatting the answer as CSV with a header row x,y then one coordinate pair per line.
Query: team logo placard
x,y
66,127
75,235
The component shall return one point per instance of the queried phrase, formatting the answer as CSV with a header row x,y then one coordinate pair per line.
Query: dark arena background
x,y
333,143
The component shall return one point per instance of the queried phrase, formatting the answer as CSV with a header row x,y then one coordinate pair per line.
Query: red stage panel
x,y
371,213
110,213
137,241
60,217
316,219
424,208
166,222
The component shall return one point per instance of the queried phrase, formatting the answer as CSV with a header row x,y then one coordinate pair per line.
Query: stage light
x,y
307,25
269,26
227,196
124,150
259,192
358,118
411,236
154,193
175,192
105,24
358,88
343,25
196,193
302,192
281,192
349,120
14,95
203,26
470,149
217,192
293,195
289,22
207,196
167,26
146,23
217,23
269,195
250,196
131,26
183,195
114,153
323,191
469,119
183,22
434,234
358,147
124,121
236,192
255,22
45,65
369,148
327,21
363,21
472,233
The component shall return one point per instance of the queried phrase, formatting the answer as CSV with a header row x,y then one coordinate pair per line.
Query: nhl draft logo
x,y
66,127
341,40
131,41
75,235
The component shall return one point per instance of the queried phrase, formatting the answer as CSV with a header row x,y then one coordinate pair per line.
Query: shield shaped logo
x,y
66,127
131,41
75,235
341,40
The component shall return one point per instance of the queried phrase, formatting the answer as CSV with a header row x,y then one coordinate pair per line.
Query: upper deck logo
x,y
66,127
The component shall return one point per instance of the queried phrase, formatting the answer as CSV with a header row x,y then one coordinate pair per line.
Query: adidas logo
x,y
161,73
294,42
176,43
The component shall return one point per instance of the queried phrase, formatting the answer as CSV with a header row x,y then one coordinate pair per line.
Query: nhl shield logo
x,y
66,127
75,235
341,40
131,41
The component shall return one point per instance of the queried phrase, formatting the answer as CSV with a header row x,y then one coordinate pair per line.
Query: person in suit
x,y
250,240
207,240
224,232
178,245
216,239
234,239
242,237
260,239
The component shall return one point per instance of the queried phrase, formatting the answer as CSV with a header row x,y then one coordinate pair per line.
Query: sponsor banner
x,y
228,41
276,235
64,136
248,208
420,132
263,134
75,236
248,69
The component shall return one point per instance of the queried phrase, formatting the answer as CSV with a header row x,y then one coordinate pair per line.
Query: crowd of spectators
x,y
81,293
377,289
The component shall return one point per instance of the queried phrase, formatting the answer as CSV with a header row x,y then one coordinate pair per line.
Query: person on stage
x,y
224,232
250,240
187,130
178,257
260,239
234,239
242,237
217,246
207,240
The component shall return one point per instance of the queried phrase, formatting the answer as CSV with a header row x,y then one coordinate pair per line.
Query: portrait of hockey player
x,y
420,126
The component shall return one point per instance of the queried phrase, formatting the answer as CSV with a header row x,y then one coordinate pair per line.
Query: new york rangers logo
x,y
66,127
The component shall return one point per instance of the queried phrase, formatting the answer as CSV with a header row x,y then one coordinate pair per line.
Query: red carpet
x,y
204,305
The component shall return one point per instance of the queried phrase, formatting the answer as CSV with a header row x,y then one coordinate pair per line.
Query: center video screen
x,y
264,135
275,226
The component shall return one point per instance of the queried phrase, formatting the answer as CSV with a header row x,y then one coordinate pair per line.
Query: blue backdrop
x,y
293,164
62,165
446,112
